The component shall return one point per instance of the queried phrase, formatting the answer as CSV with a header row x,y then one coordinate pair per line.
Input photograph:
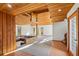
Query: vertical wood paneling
x,y
11,35
14,32
1,33
7,33
4,35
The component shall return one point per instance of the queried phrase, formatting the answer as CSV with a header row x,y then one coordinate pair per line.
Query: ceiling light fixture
x,y
9,5
59,10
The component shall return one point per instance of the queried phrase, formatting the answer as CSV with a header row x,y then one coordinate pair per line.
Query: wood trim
x,y
68,40
78,33
70,53
37,25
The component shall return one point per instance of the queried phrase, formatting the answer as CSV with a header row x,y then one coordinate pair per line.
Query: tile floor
x,y
48,48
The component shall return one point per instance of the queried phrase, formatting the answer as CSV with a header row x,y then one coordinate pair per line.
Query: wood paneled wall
x,y
22,19
42,18
1,34
7,33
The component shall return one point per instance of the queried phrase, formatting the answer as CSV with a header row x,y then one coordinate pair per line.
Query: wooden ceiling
x,y
57,15
53,8
4,7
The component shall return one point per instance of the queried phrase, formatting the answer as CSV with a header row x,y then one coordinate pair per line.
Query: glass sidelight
x,y
73,36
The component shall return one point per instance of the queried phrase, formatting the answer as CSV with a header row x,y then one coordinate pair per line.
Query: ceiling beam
x,y
41,11
59,18
57,14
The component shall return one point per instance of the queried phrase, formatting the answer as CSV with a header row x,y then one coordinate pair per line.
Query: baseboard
x,y
70,53
58,40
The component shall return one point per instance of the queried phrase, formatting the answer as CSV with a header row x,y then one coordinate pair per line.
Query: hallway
x,y
49,48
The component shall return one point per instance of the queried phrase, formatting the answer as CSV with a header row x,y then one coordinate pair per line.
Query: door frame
x,y
76,13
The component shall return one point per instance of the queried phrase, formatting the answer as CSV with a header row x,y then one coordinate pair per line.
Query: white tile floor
x,y
40,48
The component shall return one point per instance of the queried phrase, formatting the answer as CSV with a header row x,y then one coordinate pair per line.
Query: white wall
x,y
59,29
47,29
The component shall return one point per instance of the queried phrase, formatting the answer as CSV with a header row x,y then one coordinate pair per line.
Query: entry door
x,y
73,33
